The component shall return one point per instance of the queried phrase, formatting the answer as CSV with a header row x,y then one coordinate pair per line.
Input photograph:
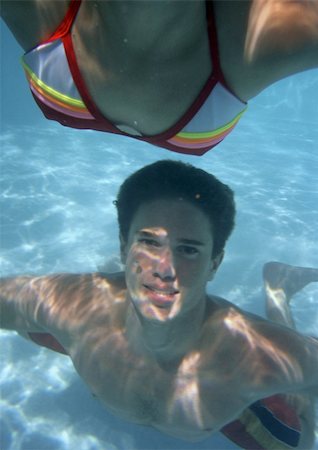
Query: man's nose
x,y
164,267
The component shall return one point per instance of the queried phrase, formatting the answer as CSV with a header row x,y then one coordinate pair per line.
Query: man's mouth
x,y
161,297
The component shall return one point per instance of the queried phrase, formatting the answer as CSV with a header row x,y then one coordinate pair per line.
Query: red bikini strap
x,y
214,46
66,24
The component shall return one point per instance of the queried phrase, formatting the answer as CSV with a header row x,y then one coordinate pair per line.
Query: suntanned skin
x,y
151,344
140,58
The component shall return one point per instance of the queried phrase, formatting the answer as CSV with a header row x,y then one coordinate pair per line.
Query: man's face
x,y
168,258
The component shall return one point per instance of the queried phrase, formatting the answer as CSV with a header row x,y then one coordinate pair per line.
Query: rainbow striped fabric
x,y
52,83
219,114
60,91
268,424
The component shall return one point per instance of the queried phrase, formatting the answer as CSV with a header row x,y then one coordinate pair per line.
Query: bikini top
x,y
60,91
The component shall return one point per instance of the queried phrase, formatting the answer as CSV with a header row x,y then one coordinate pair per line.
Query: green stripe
x,y
52,92
210,134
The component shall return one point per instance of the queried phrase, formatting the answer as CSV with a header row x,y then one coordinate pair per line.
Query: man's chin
x,y
154,310
157,305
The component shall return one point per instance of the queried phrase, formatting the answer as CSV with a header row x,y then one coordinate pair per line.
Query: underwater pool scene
x,y
57,215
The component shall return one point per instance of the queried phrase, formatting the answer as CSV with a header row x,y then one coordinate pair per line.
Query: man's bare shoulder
x,y
219,308
234,335
77,307
259,352
83,289
228,318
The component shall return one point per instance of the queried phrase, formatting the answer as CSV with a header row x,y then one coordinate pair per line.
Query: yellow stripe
x,y
62,97
211,134
257,430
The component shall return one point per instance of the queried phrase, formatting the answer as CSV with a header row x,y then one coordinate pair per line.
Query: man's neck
x,y
166,341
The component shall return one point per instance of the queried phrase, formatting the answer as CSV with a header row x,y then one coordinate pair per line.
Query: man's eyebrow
x,y
146,233
190,241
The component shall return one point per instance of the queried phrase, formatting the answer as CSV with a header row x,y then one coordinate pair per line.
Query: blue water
x,y
57,187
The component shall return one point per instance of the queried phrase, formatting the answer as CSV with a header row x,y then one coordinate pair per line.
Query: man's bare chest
x,y
137,389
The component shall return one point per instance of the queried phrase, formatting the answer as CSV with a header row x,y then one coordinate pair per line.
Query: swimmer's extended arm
x,y
30,303
18,302
32,21
56,304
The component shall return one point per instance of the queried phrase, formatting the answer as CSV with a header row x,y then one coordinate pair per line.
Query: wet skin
x,y
150,344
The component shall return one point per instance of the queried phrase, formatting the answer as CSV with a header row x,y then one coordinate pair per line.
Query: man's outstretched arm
x,y
56,305
19,299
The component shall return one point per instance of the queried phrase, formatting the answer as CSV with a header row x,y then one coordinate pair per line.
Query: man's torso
x,y
189,398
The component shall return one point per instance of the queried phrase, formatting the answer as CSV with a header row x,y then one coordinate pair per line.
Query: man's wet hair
x,y
176,180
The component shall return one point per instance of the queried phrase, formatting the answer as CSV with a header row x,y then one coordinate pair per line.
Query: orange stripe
x,y
54,99
189,140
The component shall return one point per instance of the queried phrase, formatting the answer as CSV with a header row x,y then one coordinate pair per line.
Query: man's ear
x,y
215,264
123,249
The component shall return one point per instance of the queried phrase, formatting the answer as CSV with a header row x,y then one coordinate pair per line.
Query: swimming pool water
x,y
57,188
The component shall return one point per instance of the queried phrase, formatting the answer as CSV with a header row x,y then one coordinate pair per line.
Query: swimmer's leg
x,y
281,282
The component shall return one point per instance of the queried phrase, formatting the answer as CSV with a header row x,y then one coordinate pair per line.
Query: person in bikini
x,y
149,341
176,74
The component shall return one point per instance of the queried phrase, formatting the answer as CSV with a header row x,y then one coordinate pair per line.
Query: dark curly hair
x,y
177,180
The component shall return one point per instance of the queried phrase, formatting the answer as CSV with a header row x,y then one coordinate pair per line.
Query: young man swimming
x,y
176,74
153,346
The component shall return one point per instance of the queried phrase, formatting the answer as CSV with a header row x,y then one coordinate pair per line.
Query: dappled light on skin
x,y
277,304
152,280
89,299
238,325
42,300
186,399
281,282
100,349
281,25
226,367
262,350
277,294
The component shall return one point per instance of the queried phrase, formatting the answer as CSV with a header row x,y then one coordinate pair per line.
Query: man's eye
x,y
149,242
188,251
